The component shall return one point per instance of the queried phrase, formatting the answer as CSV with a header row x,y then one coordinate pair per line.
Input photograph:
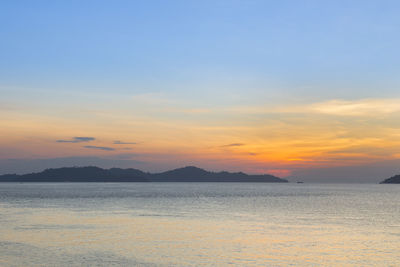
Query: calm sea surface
x,y
195,224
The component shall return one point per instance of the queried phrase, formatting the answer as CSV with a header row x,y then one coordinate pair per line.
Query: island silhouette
x,y
96,174
392,180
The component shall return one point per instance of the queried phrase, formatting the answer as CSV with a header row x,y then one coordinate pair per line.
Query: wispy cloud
x,y
100,148
339,107
357,107
233,145
117,142
80,139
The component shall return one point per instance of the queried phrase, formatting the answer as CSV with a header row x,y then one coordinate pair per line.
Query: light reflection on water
x,y
194,224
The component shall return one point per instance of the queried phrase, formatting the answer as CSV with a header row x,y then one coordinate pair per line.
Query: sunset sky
x,y
308,90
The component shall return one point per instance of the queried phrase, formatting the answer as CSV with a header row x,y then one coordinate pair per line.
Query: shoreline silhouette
x,y
392,180
96,174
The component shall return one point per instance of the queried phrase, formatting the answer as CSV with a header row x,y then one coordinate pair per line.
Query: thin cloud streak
x,y
367,107
77,140
117,142
363,107
233,145
100,148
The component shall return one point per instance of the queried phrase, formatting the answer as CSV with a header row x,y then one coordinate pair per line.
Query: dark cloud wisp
x,y
232,145
78,139
118,142
100,148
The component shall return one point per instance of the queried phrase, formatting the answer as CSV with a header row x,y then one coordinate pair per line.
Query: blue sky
x,y
169,45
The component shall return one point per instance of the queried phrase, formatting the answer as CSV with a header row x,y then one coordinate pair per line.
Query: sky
x,y
308,90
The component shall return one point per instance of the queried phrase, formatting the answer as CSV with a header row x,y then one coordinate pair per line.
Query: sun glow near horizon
x,y
278,139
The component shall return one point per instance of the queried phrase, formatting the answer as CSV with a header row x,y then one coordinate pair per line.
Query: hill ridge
x,y
97,174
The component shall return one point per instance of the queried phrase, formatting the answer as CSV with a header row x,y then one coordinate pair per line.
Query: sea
x,y
199,224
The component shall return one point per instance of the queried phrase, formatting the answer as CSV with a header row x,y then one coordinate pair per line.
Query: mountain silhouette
x,y
194,174
79,174
95,174
392,180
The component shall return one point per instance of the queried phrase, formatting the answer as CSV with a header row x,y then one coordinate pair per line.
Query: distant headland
x,y
392,180
96,174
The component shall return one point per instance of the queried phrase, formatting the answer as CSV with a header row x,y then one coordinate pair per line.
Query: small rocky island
x,y
95,174
392,180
